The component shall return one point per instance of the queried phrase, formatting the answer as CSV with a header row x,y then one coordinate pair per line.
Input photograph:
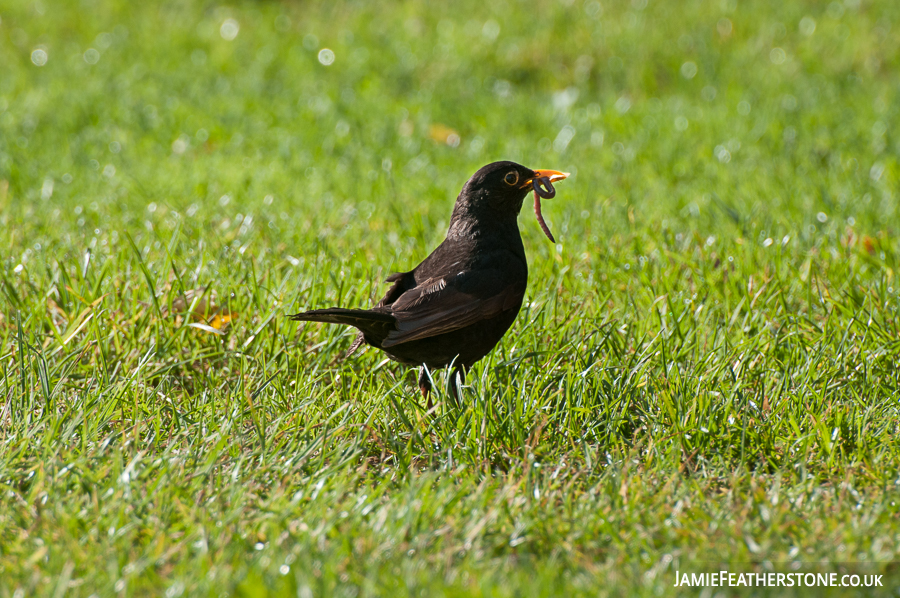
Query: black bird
x,y
455,306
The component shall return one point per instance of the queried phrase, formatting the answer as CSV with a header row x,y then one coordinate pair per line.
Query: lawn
x,y
705,374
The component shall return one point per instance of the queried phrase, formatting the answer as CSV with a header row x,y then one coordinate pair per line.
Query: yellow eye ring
x,y
511,178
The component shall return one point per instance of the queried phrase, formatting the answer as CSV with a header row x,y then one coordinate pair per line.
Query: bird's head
x,y
496,191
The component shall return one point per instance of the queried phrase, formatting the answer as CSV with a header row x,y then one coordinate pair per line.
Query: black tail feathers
x,y
339,315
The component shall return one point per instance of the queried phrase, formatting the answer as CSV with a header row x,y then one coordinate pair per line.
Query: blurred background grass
x,y
705,371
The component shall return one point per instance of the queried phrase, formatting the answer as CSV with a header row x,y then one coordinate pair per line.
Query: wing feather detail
x,y
437,306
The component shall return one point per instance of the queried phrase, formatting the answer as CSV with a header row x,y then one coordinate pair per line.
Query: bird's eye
x,y
511,178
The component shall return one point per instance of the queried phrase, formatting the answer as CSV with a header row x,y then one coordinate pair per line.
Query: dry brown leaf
x,y
203,308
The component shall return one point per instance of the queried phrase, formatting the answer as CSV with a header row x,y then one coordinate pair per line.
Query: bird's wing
x,y
443,304
403,281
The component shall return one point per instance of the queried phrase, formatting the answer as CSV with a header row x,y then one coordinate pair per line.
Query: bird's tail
x,y
373,326
363,319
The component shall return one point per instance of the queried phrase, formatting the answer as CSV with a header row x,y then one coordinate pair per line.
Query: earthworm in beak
x,y
543,188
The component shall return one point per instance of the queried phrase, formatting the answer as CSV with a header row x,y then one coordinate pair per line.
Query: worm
x,y
544,187
547,193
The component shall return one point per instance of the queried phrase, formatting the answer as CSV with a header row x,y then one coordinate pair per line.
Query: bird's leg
x,y
425,387
457,377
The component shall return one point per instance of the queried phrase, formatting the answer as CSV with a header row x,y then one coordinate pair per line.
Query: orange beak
x,y
553,175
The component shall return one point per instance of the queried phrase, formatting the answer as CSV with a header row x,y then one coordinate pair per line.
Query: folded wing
x,y
440,305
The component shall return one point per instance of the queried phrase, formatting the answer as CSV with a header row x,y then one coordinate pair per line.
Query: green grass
x,y
705,374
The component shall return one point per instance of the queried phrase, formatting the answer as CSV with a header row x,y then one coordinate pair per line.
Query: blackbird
x,y
454,307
